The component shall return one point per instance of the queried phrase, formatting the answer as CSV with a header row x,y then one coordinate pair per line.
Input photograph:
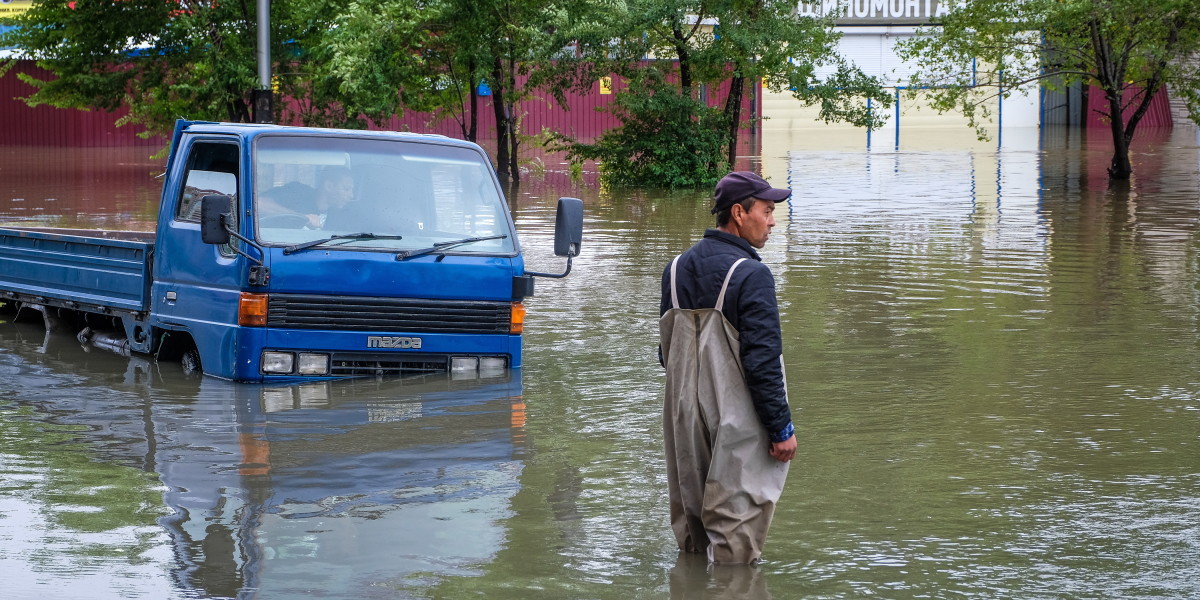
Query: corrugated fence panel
x,y
21,124
584,120
1158,115
578,117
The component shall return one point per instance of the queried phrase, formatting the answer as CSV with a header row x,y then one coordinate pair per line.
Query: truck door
x,y
197,285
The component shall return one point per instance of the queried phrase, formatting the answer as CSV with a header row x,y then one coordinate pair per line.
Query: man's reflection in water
x,y
694,577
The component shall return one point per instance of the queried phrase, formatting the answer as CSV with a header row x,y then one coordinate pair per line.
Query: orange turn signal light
x,y
252,310
516,323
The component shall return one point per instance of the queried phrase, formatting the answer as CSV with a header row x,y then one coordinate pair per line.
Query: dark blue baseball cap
x,y
739,185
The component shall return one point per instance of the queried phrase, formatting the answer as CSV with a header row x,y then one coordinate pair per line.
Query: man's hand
x,y
784,451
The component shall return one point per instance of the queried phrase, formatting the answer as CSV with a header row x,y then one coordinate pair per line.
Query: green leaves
x,y
349,64
718,47
987,48
667,139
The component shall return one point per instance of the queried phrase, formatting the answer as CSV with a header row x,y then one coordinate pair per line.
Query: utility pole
x,y
263,97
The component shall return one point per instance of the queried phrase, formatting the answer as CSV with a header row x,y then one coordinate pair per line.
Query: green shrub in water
x,y
666,139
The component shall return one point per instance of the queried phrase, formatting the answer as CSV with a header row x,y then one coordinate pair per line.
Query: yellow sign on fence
x,y
12,8
606,85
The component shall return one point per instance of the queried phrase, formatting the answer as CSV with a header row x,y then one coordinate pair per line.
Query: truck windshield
x,y
377,194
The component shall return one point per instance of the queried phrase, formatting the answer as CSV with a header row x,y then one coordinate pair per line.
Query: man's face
x,y
755,224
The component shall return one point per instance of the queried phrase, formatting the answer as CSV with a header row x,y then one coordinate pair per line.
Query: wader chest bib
x,y
723,483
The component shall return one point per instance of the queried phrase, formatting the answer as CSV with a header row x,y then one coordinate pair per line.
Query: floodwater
x,y
992,358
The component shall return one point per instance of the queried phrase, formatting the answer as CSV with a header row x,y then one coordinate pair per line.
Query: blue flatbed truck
x,y
285,253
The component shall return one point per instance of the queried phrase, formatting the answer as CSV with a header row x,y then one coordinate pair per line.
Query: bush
x,y
666,139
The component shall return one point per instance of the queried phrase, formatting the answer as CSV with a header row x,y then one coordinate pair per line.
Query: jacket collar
x,y
729,238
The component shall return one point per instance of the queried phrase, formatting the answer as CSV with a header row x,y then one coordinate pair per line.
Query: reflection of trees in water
x,y
113,188
248,474
1139,232
93,506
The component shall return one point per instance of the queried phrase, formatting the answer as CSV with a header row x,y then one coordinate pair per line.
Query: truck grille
x,y
301,311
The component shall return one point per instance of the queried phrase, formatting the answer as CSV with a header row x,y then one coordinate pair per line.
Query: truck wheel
x,y
190,359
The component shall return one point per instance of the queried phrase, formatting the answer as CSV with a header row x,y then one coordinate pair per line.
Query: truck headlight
x,y
277,362
464,364
492,366
312,364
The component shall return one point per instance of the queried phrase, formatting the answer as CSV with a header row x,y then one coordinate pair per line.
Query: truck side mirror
x,y
568,235
568,227
213,211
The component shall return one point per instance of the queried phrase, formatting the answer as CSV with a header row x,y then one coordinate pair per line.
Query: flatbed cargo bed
x,y
102,270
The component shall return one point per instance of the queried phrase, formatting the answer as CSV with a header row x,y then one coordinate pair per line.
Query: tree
x,y
358,62
765,40
197,58
1127,48
527,37
144,54
729,45
449,46
462,64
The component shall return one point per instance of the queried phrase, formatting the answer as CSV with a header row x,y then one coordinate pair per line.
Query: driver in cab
x,y
335,189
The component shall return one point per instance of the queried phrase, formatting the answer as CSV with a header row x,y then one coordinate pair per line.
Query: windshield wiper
x,y
349,237
445,245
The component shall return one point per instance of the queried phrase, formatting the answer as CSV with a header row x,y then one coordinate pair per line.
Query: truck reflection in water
x,y
360,486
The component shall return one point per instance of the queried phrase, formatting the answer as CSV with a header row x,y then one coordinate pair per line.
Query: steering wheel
x,y
284,221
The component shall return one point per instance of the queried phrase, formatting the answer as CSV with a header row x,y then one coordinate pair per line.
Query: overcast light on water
x,y
991,356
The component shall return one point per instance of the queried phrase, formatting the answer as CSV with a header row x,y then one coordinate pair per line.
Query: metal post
x,y
263,97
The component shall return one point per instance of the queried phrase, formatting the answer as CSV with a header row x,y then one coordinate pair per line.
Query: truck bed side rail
x,y
88,272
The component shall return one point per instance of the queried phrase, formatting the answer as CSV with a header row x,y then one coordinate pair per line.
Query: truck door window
x,y
212,168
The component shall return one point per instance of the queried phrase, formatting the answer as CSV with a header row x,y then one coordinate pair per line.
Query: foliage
x,y
159,60
752,40
437,52
356,63
357,70
1127,48
193,59
666,139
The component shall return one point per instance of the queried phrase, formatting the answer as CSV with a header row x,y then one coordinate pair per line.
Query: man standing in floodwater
x,y
728,428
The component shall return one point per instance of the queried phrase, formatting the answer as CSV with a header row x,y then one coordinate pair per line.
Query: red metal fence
x,y
43,125
1158,115
579,117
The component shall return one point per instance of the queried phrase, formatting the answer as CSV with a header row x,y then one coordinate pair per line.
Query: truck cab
x,y
287,253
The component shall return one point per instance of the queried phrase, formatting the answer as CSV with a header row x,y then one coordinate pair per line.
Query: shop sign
x,y
876,12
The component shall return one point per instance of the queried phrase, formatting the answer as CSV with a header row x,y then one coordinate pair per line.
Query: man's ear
x,y
736,213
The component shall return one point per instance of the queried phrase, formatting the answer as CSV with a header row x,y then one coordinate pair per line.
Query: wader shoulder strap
x,y
674,294
724,285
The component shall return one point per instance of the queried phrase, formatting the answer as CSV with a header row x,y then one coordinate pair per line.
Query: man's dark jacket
x,y
751,308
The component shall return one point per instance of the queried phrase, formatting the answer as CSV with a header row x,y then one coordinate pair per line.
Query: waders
x,y
723,482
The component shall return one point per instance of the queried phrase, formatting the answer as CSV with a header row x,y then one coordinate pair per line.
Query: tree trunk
x,y
1121,167
473,120
514,148
498,106
510,109
1123,142
685,61
733,115
1111,75
239,111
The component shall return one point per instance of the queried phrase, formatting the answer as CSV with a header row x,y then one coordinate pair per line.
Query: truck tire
x,y
190,360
